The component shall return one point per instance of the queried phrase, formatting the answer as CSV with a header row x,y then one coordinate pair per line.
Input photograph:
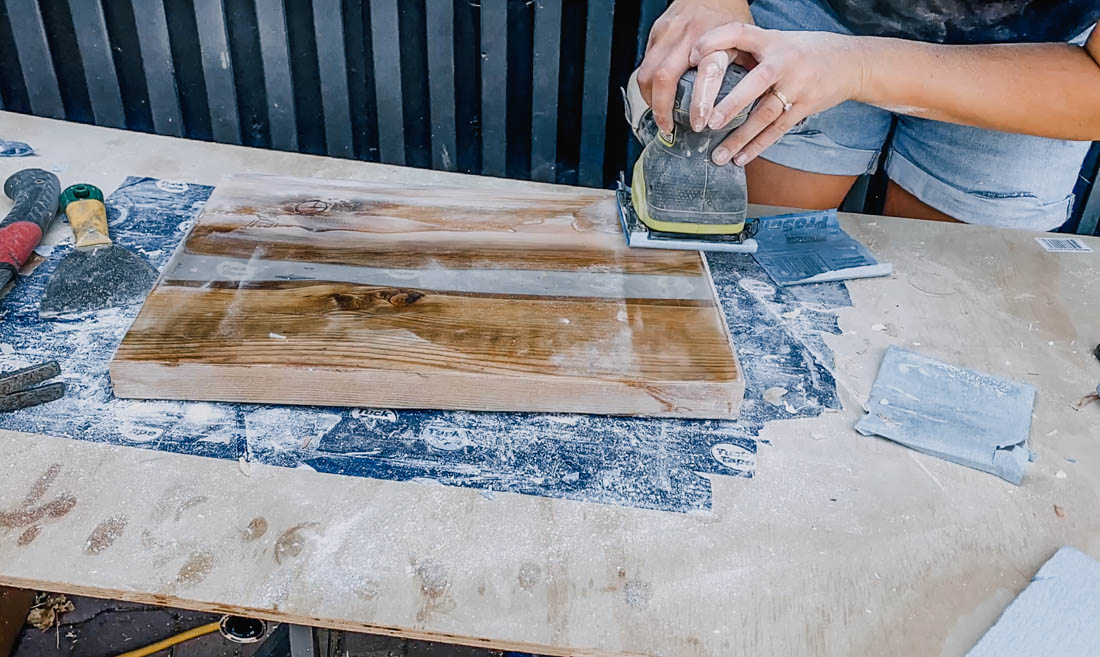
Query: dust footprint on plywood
x,y
196,568
105,534
290,543
435,586
257,527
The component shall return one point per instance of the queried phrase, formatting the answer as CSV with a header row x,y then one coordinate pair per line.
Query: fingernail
x,y
693,58
741,159
720,156
697,124
716,121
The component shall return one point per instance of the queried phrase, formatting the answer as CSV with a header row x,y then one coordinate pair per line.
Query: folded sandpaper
x,y
811,247
14,149
966,417
1055,615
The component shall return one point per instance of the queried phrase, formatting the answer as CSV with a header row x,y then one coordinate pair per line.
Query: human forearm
x,y
1049,90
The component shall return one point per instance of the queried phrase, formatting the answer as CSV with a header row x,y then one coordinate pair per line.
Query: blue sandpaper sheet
x,y
1055,615
811,247
973,419
662,464
14,149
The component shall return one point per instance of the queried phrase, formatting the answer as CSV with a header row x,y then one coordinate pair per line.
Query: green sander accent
x,y
678,197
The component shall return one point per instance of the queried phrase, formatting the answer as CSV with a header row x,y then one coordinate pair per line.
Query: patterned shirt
x,y
970,21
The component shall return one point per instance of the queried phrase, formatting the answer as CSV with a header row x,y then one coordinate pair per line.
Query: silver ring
x,y
783,99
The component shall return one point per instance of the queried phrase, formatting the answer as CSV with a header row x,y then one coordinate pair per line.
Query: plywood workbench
x,y
839,545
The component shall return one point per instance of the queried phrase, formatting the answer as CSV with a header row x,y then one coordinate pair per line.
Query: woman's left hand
x,y
812,71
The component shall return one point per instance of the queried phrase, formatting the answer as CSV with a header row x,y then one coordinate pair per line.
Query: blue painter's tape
x,y
662,464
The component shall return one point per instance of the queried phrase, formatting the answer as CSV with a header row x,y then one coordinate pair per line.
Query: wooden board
x,y
308,291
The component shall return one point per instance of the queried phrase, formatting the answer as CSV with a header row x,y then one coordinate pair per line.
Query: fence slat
x,y
441,82
650,11
160,74
597,69
99,66
494,87
34,58
544,90
278,84
217,70
328,25
386,58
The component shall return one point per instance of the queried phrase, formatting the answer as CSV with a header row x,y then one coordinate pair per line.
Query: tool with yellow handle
x,y
83,205
98,273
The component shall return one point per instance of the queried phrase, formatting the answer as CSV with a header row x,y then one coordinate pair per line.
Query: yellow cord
x,y
173,640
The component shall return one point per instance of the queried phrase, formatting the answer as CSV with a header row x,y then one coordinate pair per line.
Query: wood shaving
x,y
1086,400
47,610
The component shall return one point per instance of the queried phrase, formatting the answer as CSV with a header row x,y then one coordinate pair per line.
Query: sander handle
x,y
35,193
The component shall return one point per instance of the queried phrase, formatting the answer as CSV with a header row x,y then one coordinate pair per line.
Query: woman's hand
x,y
813,71
670,43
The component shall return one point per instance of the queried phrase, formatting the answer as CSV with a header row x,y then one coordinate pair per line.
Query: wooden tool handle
x,y
83,205
88,219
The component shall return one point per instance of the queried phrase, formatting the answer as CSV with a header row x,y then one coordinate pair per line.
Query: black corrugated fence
x,y
517,88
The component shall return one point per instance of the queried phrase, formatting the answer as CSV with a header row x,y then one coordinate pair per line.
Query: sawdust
x,y
775,396
47,609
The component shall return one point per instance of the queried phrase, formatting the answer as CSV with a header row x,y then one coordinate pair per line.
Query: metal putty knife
x,y
97,274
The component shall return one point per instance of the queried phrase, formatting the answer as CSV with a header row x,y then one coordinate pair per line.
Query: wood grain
x,y
330,292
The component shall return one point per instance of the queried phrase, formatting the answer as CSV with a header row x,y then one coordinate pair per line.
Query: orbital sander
x,y
678,198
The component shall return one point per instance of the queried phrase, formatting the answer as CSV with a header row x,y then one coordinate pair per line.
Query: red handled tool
x,y
35,193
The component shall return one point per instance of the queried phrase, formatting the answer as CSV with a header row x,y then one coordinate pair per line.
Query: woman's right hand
x,y
666,57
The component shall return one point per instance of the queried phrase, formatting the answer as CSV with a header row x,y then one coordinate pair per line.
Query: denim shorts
x,y
978,176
